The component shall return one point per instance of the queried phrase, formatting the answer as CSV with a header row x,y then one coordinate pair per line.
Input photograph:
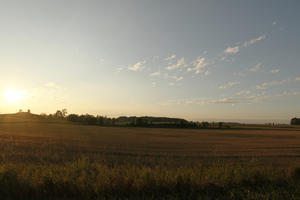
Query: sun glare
x,y
13,95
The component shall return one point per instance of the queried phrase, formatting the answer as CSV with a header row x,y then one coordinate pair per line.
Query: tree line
x,y
145,121
295,121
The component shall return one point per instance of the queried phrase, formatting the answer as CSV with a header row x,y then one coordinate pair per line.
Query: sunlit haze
x,y
198,60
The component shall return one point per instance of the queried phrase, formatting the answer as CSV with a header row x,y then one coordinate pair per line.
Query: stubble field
x,y
52,160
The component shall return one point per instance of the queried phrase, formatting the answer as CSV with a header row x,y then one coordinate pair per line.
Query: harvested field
x,y
49,160
67,141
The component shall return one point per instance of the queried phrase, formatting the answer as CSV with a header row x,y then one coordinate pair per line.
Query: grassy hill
x,y
22,117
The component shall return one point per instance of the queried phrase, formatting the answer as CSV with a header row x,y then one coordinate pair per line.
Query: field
x,y
69,161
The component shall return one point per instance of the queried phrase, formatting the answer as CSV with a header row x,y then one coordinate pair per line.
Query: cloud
x,y
235,49
199,101
256,68
199,65
179,63
179,78
256,98
276,83
274,23
232,50
170,57
225,101
228,85
173,77
207,73
272,83
241,74
243,92
119,69
248,43
138,66
153,84
260,98
203,101
171,84
274,71
228,100
223,57
155,73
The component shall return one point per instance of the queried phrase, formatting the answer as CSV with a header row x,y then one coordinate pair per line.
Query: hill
x,y
26,117
20,117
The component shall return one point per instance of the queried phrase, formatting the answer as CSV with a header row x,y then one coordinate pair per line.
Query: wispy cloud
x,y
248,43
274,71
204,101
119,69
241,74
198,65
274,23
237,48
226,101
179,78
228,85
244,92
177,65
260,98
167,76
272,83
207,73
155,73
256,68
229,100
138,66
276,83
201,63
170,57
232,50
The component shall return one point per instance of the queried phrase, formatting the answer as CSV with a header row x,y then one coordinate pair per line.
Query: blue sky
x,y
201,60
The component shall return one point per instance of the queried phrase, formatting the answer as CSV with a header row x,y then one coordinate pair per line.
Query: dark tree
x,y
205,124
295,121
220,124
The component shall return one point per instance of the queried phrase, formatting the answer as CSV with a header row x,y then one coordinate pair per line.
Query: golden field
x,y
69,161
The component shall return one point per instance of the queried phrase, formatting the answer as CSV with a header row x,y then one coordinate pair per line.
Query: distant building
x,y
295,121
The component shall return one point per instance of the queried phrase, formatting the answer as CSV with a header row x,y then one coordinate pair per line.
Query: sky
x,y
234,60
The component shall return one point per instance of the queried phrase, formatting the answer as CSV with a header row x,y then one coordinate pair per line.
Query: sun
x,y
13,95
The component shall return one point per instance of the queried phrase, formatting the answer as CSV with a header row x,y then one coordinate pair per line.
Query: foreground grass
x,y
83,179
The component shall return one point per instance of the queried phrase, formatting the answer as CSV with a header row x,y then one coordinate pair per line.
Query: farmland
x,y
63,160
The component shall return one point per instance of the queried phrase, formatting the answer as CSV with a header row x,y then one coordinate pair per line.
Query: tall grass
x,y
83,179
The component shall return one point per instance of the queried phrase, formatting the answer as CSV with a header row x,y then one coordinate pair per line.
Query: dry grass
x,y
68,141
44,160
